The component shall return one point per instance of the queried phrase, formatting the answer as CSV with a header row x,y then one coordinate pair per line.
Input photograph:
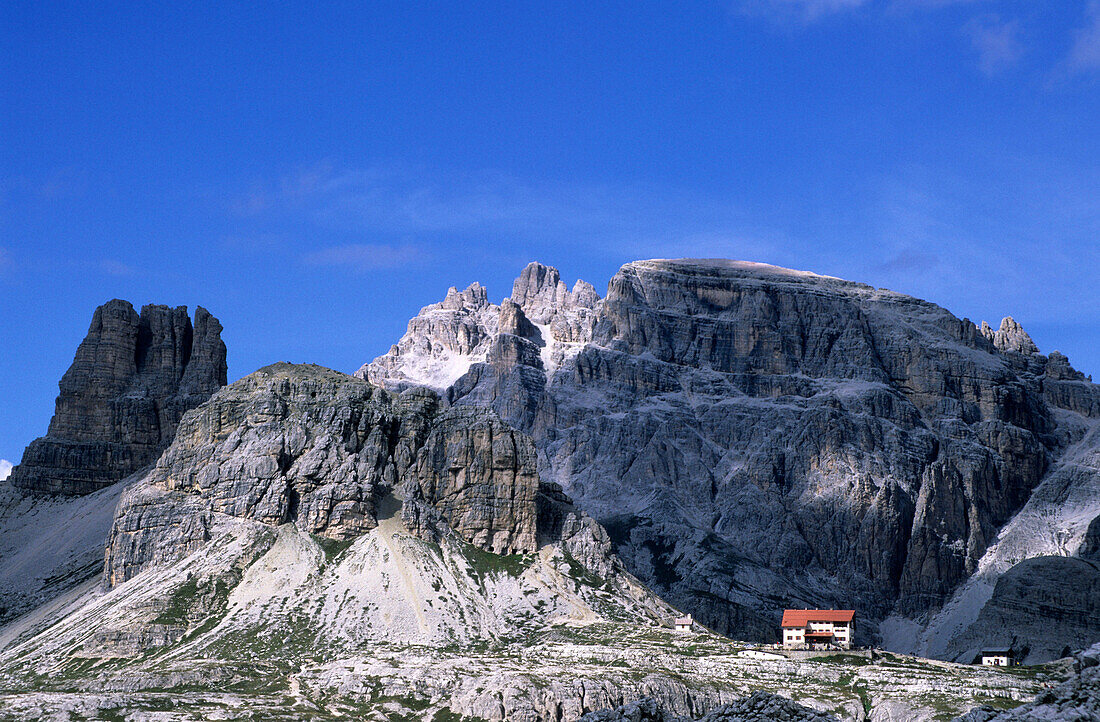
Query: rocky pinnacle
x,y
133,378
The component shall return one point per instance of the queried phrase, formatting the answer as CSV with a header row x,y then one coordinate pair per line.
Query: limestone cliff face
x,y
481,476
324,450
133,378
754,437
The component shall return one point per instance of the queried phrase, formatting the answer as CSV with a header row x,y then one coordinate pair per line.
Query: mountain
x,y
755,438
133,378
311,546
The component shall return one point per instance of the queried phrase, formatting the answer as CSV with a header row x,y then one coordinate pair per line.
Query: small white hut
x,y
1000,657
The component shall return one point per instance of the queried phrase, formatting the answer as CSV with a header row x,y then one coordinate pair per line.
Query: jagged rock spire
x,y
133,378
448,339
1011,336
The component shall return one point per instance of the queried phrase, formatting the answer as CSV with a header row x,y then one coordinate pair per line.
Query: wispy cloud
x,y
807,11
117,268
978,238
5,469
996,246
997,43
803,10
907,261
366,256
402,203
5,259
1085,54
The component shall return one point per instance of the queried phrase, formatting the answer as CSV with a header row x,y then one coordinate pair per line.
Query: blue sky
x,y
314,176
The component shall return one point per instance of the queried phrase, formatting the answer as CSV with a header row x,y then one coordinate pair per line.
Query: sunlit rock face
x,y
133,378
754,437
323,450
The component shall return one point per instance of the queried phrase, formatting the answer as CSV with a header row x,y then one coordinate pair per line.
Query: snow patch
x,y
439,370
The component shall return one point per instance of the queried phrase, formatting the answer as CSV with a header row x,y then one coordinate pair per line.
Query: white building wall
x,y
793,637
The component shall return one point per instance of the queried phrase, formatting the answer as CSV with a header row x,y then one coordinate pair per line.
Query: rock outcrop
x,y
754,437
1090,545
1076,700
324,450
442,341
1011,336
759,707
133,378
1042,608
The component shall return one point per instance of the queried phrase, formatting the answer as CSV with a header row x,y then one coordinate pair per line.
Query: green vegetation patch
x,y
197,599
332,548
179,604
446,715
841,658
483,564
581,574
416,704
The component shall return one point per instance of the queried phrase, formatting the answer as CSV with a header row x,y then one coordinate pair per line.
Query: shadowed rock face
x,y
1042,608
755,438
133,378
312,446
1090,546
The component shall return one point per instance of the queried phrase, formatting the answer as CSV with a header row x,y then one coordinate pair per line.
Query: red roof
x,y
802,617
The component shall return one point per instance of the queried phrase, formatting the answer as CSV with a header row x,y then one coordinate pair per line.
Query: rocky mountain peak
x,y
1012,337
133,377
445,340
742,428
1009,337
584,294
540,291
474,298
307,445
